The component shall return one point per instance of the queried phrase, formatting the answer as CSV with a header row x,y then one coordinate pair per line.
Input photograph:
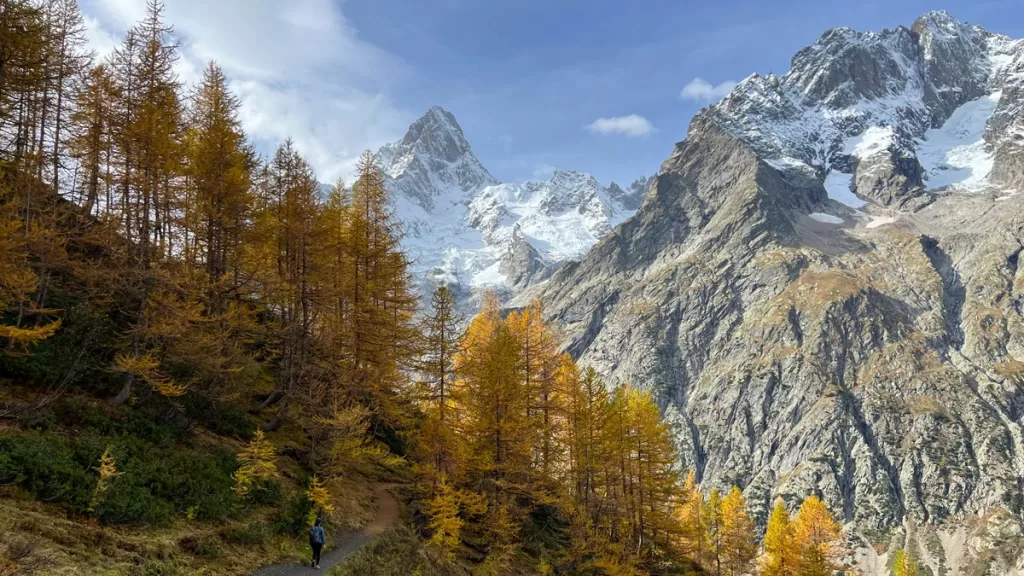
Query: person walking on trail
x,y
316,542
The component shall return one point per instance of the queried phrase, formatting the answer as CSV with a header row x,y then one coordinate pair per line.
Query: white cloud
x,y
702,90
99,40
543,171
298,67
633,126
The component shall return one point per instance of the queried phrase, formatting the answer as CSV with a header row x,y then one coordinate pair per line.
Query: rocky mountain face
x,y
467,230
823,288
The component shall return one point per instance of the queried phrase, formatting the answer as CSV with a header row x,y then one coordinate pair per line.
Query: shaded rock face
x,y
876,362
524,265
891,177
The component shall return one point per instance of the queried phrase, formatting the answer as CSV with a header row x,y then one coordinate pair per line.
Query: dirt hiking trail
x,y
345,544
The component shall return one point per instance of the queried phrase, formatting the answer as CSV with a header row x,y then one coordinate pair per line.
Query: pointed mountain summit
x,y
467,230
434,161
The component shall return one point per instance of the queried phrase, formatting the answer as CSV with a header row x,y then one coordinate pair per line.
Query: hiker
x,y
316,542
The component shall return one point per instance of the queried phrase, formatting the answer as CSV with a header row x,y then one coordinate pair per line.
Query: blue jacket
x,y
316,535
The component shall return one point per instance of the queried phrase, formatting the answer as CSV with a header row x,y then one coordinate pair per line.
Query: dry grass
x,y
922,405
1011,369
65,547
813,292
40,540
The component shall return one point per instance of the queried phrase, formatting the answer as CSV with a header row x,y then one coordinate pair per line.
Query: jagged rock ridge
x,y
822,287
467,230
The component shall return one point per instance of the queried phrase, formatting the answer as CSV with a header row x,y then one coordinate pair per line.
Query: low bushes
x,y
153,484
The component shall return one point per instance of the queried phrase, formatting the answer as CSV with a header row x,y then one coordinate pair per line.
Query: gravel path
x,y
387,513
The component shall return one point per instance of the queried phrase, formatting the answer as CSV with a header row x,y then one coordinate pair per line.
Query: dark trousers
x,y
317,547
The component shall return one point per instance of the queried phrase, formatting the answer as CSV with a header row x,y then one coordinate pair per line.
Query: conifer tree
x,y
903,564
66,60
220,163
257,463
816,535
287,265
107,471
539,358
781,555
715,533
18,281
382,335
693,521
90,139
148,113
491,383
739,546
445,523
437,438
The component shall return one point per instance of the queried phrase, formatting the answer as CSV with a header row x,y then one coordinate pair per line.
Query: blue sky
x,y
527,79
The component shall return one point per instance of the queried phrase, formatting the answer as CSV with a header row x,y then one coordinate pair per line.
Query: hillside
x,y
822,290
202,353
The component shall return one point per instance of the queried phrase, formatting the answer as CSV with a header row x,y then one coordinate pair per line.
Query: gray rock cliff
x,y
863,342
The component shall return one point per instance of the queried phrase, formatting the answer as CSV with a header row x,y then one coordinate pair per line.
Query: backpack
x,y
314,537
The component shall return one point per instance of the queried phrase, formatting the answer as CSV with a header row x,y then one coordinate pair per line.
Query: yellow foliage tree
x,y
692,518
739,546
438,447
781,555
320,498
17,279
903,564
445,521
107,471
146,368
257,463
816,536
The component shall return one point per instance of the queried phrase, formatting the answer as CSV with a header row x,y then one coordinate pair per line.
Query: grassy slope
x,y
42,537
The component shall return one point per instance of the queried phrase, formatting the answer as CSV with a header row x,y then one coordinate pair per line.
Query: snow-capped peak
x,y
434,163
465,229
873,106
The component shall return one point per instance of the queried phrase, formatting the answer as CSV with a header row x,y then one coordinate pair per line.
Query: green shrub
x,y
44,466
264,493
223,419
182,479
154,482
38,420
82,414
128,503
293,518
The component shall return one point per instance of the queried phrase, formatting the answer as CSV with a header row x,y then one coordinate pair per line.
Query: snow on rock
x,y
826,218
872,141
856,95
881,221
956,155
840,188
462,225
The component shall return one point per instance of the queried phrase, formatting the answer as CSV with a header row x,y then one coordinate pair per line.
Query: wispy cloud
x,y
299,67
543,171
633,126
701,90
